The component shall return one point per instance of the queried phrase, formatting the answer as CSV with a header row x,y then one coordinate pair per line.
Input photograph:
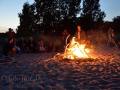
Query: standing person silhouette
x,y
11,42
10,34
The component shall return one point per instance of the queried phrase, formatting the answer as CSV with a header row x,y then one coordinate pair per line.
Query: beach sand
x,y
42,72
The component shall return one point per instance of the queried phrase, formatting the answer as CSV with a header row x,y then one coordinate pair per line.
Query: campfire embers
x,y
75,50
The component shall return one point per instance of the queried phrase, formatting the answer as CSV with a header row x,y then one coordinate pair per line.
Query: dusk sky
x,y
9,10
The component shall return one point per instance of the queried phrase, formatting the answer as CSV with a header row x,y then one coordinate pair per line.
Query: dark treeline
x,y
53,16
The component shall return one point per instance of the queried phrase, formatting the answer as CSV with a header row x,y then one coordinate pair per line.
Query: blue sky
x,y
111,8
9,10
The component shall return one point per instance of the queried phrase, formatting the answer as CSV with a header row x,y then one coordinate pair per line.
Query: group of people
x,y
30,45
12,46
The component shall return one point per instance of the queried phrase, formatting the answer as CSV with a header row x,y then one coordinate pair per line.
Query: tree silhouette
x,y
51,16
27,20
47,14
53,12
116,24
74,7
91,13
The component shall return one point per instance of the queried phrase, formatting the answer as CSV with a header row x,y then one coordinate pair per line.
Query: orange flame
x,y
74,50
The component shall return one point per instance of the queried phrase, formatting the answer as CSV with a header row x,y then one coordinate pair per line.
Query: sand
x,y
43,72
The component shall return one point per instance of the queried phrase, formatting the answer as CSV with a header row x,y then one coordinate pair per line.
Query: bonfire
x,y
75,50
